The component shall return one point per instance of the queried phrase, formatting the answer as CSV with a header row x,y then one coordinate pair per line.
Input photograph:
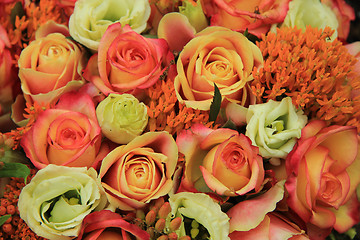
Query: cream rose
x,y
91,18
121,117
58,198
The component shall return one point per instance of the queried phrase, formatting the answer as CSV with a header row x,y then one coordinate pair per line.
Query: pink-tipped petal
x,y
248,214
176,29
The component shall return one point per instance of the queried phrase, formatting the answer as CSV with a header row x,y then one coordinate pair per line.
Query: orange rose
x,y
221,160
322,178
68,135
220,56
256,16
50,65
127,61
134,174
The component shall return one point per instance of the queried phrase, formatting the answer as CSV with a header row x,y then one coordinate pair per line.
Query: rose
x,y
323,174
7,71
58,198
140,171
67,135
256,217
7,81
91,18
204,213
274,127
107,225
239,15
50,66
344,14
127,61
301,13
218,56
221,160
121,117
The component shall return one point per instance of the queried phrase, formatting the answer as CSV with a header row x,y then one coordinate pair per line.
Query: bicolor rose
x,y
255,16
344,14
322,178
136,173
121,117
127,61
7,70
220,56
91,18
222,161
50,66
310,12
256,218
274,127
108,225
67,135
58,198
202,210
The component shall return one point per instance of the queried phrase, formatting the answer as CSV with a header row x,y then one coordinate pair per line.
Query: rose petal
x,y
248,214
170,25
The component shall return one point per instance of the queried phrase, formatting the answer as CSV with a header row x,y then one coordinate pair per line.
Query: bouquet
x,y
179,119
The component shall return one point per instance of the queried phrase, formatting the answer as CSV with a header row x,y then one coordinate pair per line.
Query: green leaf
x,y
215,105
17,10
4,218
14,170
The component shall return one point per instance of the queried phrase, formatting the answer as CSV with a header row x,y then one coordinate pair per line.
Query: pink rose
x,y
107,225
68,135
50,65
323,174
140,171
221,160
344,14
257,16
127,61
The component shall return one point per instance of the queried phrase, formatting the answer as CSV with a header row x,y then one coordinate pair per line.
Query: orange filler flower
x,y
317,74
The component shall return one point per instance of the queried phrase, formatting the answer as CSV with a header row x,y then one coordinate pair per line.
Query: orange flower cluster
x,y
316,73
15,227
166,113
31,114
21,22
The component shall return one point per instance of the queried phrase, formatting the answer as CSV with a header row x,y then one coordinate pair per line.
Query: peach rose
x,y
50,65
134,174
127,61
67,135
323,175
221,160
220,56
257,16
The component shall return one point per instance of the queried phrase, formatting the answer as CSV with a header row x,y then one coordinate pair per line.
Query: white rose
x,y
58,198
91,18
274,127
